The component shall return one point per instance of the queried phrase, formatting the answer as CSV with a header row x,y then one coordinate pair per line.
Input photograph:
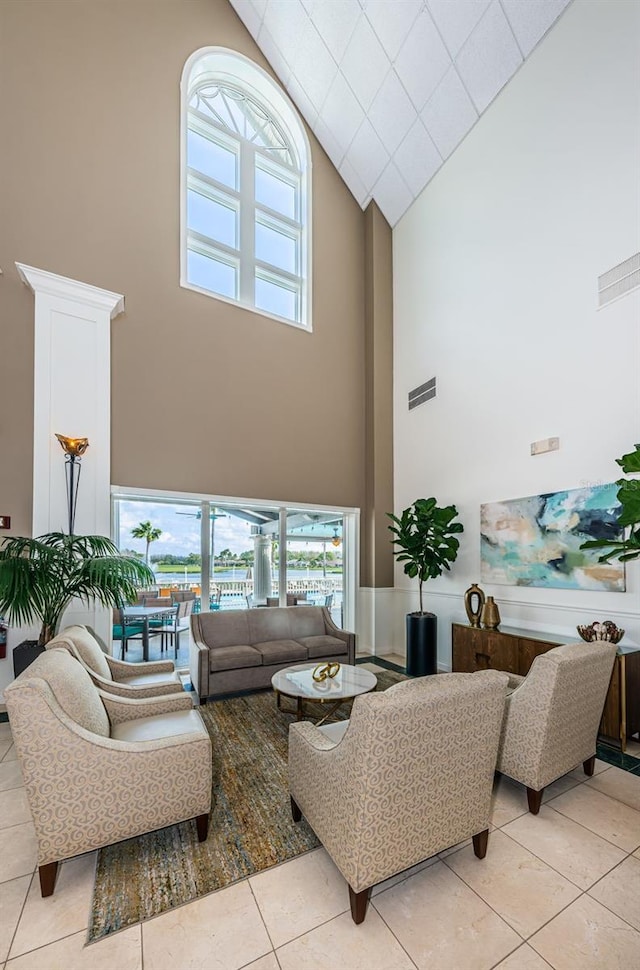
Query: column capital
x,y
42,281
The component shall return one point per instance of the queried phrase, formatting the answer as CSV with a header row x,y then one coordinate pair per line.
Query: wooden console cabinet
x,y
514,650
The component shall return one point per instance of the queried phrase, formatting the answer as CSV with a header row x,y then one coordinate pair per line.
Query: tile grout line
x,y
264,923
22,908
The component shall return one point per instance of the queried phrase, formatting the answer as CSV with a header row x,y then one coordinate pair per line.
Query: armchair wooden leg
x,y
202,825
589,765
296,814
48,878
359,902
535,800
480,843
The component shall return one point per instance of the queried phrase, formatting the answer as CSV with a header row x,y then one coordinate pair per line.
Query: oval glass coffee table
x,y
297,682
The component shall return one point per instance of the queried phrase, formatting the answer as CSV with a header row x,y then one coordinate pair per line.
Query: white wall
x,y
495,294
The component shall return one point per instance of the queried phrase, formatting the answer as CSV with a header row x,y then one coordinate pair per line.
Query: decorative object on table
x,y
627,547
540,540
322,671
474,600
601,631
40,577
426,538
74,449
490,617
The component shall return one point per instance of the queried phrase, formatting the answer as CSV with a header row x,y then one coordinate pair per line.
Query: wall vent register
x,y
619,281
421,394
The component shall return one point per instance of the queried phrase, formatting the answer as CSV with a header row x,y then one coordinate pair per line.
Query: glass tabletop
x,y
297,681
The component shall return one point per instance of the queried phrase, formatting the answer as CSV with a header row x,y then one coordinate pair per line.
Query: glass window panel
x,y
211,274
276,248
212,159
276,299
275,193
211,219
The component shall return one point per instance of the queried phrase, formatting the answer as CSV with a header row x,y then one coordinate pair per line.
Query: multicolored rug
x,y
250,828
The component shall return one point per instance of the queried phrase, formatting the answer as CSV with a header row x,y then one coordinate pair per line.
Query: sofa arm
x,y
199,666
121,668
120,709
332,630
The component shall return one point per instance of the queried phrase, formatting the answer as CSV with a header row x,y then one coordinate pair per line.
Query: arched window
x,y
246,188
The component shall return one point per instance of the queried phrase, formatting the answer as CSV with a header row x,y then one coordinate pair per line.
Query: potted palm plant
x,y
426,538
40,577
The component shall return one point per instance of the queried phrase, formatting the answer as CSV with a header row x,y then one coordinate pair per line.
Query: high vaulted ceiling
x,y
391,87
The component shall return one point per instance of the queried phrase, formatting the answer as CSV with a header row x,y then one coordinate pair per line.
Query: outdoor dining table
x,y
143,614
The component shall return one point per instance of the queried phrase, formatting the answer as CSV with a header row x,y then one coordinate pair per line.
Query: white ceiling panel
x,y
248,14
531,19
489,57
423,60
391,87
313,66
336,22
392,20
392,195
365,63
342,112
449,114
392,113
417,158
456,19
368,155
354,182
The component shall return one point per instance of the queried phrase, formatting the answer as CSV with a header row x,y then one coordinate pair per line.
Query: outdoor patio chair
x,y
178,622
98,769
128,631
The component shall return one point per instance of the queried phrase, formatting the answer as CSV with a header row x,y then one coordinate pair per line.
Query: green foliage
x,y
147,532
426,537
628,547
39,577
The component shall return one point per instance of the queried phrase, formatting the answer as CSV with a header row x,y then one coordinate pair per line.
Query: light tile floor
x,y
559,890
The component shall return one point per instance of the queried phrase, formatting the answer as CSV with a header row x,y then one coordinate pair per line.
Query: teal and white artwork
x,y
536,541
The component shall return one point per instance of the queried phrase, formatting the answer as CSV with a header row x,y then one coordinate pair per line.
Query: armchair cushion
x,y
160,726
75,692
88,649
151,680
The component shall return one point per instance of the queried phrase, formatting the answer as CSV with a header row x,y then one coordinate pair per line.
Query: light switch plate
x,y
544,445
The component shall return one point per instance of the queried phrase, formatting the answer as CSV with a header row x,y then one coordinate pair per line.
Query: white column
x,y
262,586
72,396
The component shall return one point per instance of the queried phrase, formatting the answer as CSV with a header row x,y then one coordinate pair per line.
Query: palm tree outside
x,y
147,532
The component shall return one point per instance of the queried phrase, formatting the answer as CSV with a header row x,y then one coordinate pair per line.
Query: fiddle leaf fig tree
x,y
628,547
426,538
40,577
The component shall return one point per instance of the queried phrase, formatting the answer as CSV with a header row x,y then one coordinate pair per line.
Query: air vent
x,y
421,394
619,281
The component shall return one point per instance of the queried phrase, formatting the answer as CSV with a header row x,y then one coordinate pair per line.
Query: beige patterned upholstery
x,y
85,788
552,716
116,676
410,776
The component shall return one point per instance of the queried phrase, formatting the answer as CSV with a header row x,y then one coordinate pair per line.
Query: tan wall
x,y
205,396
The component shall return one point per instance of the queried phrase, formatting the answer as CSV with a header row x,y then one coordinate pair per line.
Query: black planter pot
x,y
24,654
422,644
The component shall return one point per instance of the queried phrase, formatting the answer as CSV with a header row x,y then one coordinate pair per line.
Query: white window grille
x,y
245,189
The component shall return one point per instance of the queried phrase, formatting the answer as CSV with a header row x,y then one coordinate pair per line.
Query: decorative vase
x,y
490,617
474,600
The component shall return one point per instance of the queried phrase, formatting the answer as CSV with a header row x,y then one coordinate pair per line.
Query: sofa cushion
x,y
271,624
222,628
159,726
307,621
281,651
323,646
233,657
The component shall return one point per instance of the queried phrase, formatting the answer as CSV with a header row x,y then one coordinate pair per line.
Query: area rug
x,y
250,828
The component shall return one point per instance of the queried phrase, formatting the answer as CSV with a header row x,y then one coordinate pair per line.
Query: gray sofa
x,y
236,650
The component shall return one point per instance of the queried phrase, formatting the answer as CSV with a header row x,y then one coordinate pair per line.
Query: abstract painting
x,y
536,541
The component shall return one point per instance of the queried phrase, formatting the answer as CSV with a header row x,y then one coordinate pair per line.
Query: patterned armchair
x,y
552,716
409,775
98,768
117,676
